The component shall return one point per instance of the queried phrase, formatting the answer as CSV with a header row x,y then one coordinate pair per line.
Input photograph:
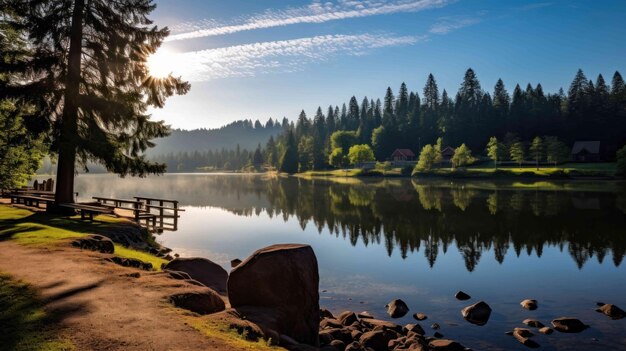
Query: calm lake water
x,y
561,243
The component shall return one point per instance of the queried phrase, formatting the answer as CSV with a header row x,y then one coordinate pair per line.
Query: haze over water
x,y
421,241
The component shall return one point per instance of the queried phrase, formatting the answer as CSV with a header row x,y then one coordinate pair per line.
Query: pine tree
x,y
289,159
402,106
271,152
501,104
89,70
353,114
429,121
389,100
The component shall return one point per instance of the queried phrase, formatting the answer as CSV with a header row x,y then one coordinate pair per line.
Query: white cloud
x,y
446,25
277,56
316,12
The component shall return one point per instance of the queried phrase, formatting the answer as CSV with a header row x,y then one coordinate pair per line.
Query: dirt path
x,y
101,307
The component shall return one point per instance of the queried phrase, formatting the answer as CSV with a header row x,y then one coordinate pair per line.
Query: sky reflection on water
x,y
422,241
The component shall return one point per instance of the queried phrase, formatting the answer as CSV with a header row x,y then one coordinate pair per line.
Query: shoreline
x,y
337,327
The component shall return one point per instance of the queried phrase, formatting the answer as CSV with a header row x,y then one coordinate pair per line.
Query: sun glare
x,y
161,63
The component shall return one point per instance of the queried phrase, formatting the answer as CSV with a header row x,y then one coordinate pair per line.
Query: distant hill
x,y
245,133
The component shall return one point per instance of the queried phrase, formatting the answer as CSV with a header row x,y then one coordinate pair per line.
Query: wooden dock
x,y
155,214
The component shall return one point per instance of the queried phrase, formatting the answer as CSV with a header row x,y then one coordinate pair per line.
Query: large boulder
x,y
278,285
201,302
477,313
203,270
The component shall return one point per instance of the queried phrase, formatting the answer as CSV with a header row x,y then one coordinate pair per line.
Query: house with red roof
x,y
403,155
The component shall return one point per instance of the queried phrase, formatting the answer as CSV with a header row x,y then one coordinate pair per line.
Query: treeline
x,y
214,160
410,120
589,111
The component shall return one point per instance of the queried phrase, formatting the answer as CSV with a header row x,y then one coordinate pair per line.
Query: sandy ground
x,y
101,307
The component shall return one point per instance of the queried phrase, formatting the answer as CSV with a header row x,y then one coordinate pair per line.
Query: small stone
x,y
523,332
435,326
415,328
420,316
530,305
612,311
438,335
365,314
234,263
533,323
477,313
462,296
445,345
324,313
569,325
346,318
338,344
524,340
397,308
546,330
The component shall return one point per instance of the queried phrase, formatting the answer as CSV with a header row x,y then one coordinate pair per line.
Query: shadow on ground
x,y
29,322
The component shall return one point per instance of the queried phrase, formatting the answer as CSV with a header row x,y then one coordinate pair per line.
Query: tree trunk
x,y
69,120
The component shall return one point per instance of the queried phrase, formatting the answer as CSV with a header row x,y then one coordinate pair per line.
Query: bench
x,y
88,210
30,200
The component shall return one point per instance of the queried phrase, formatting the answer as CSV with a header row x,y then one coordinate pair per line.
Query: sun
x,y
162,63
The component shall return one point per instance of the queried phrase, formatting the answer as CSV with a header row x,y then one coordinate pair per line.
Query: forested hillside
x,y
244,133
589,110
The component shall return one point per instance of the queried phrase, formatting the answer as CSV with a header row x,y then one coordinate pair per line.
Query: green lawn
x,y
24,323
29,228
562,171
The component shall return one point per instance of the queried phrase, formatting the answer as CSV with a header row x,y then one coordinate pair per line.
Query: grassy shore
x,y
24,319
40,229
484,171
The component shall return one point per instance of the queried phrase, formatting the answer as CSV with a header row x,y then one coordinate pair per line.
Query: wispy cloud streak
x,y
316,12
446,25
278,56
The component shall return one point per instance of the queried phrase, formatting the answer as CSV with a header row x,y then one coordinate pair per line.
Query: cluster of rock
x,y
350,331
562,324
130,262
273,293
95,243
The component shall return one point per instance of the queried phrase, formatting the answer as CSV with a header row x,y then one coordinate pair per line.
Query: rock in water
x,y
612,311
533,323
445,345
462,296
204,302
203,270
397,308
523,338
569,325
529,304
546,330
234,263
280,282
420,316
477,313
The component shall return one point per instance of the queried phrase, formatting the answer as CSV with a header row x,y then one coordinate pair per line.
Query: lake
x,y
562,243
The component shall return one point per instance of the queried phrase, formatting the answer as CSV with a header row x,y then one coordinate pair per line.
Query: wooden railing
x,y
166,209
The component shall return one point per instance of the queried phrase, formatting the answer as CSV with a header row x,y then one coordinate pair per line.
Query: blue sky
x,y
267,58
